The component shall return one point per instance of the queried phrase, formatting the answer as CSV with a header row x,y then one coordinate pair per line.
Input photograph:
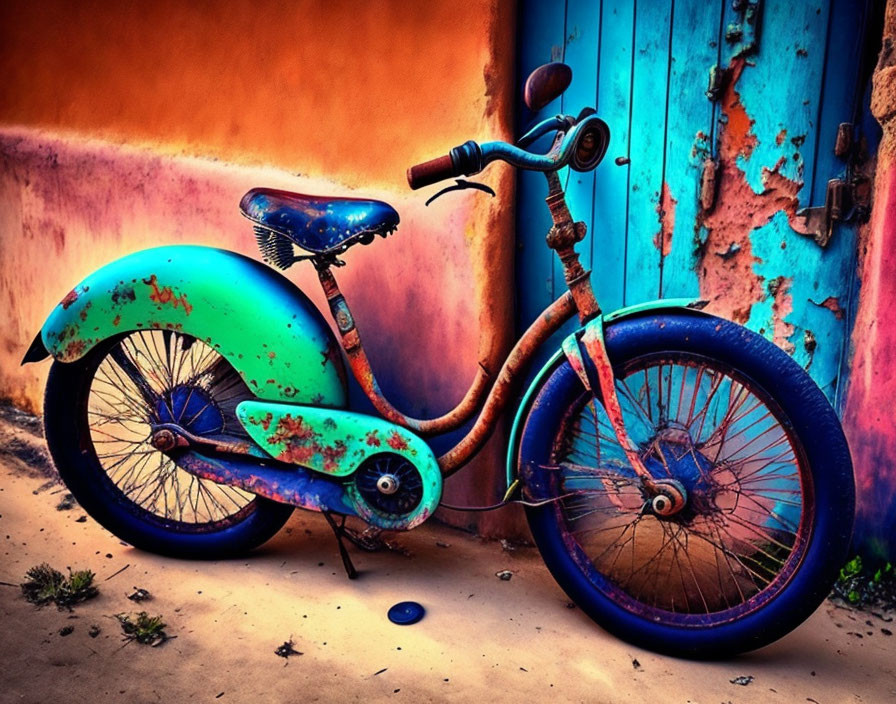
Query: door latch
x,y
745,34
844,201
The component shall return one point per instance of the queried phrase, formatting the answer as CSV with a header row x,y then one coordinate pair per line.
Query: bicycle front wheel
x,y
756,449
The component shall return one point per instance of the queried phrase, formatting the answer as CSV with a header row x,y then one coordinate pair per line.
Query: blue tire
x,y
770,490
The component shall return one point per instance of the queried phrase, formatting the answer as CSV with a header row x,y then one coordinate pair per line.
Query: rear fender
x,y
254,317
571,350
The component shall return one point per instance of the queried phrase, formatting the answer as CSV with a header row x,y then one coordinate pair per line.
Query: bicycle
x,y
686,482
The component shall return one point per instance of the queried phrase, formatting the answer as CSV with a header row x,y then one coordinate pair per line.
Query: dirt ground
x,y
483,639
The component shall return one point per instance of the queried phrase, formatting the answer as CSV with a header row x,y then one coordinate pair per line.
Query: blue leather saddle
x,y
325,226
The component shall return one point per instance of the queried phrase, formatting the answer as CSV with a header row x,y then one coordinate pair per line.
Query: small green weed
x,y
861,587
143,628
44,584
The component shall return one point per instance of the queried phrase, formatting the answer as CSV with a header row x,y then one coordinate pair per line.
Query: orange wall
x,y
353,90
124,125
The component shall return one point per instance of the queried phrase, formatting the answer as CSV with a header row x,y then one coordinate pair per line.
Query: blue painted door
x,y
707,206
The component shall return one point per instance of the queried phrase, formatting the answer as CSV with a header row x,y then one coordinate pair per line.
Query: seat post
x,y
339,309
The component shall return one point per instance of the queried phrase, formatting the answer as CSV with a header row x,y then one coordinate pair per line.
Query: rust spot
x,y
123,293
832,303
297,454
116,320
83,314
166,295
70,298
291,429
666,211
331,354
372,439
782,135
396,442
74,349
332,455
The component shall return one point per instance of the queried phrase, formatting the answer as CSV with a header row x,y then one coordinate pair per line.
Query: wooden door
x,y
728,113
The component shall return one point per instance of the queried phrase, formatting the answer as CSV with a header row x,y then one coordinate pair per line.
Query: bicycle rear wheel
x,y
762,461
98,415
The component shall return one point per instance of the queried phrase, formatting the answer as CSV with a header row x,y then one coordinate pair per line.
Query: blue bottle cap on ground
x,y
405,613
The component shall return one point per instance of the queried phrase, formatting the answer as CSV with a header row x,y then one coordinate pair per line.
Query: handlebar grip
x,y
432,171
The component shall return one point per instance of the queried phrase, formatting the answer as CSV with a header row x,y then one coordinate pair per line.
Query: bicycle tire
x,y
791,574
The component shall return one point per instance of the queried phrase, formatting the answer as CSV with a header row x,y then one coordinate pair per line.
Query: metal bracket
x,y
745,34
708,184
844,201
716,82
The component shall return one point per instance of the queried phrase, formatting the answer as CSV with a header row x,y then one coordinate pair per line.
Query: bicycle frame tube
x,y
562,237
498,395
551,319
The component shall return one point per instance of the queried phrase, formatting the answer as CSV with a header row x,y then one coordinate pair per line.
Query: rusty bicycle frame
x,y
493,396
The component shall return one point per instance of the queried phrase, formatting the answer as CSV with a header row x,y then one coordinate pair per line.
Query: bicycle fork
x,y
666,496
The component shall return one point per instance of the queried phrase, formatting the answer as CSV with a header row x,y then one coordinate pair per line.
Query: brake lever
x,y
460,185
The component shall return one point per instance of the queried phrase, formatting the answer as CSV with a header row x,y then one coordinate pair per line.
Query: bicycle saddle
x,y
316,224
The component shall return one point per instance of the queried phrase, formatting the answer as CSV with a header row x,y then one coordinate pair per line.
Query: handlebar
x,y
471,158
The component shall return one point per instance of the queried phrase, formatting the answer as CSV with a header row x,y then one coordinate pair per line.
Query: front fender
x,y
256,318
672,305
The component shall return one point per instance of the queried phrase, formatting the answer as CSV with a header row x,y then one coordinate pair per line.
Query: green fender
x,y
256,318
677,305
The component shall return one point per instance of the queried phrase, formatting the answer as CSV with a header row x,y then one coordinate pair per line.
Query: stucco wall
x,y
127,125
871,399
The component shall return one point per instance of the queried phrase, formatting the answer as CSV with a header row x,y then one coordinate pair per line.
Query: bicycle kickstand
x,y
339,532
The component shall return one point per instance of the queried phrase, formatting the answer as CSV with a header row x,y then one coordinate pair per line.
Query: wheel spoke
x,y
140,378
718,435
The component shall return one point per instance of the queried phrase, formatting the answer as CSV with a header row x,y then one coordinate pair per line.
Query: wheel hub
x,y
682,472
389,484
191,407
669,499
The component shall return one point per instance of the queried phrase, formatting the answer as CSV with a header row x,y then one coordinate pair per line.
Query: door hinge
x,y
708,185
844,201
745,33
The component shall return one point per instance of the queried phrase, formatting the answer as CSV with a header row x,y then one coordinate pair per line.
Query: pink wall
x,y
870,414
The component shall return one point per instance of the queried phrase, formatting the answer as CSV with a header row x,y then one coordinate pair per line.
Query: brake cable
x,y
460,185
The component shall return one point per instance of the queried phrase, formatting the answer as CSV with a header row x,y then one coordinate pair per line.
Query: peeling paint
x,y
396,441
832,303
70,298
730,281
782,306
666,211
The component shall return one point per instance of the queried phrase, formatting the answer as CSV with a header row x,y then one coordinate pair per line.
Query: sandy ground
x,y
483,639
